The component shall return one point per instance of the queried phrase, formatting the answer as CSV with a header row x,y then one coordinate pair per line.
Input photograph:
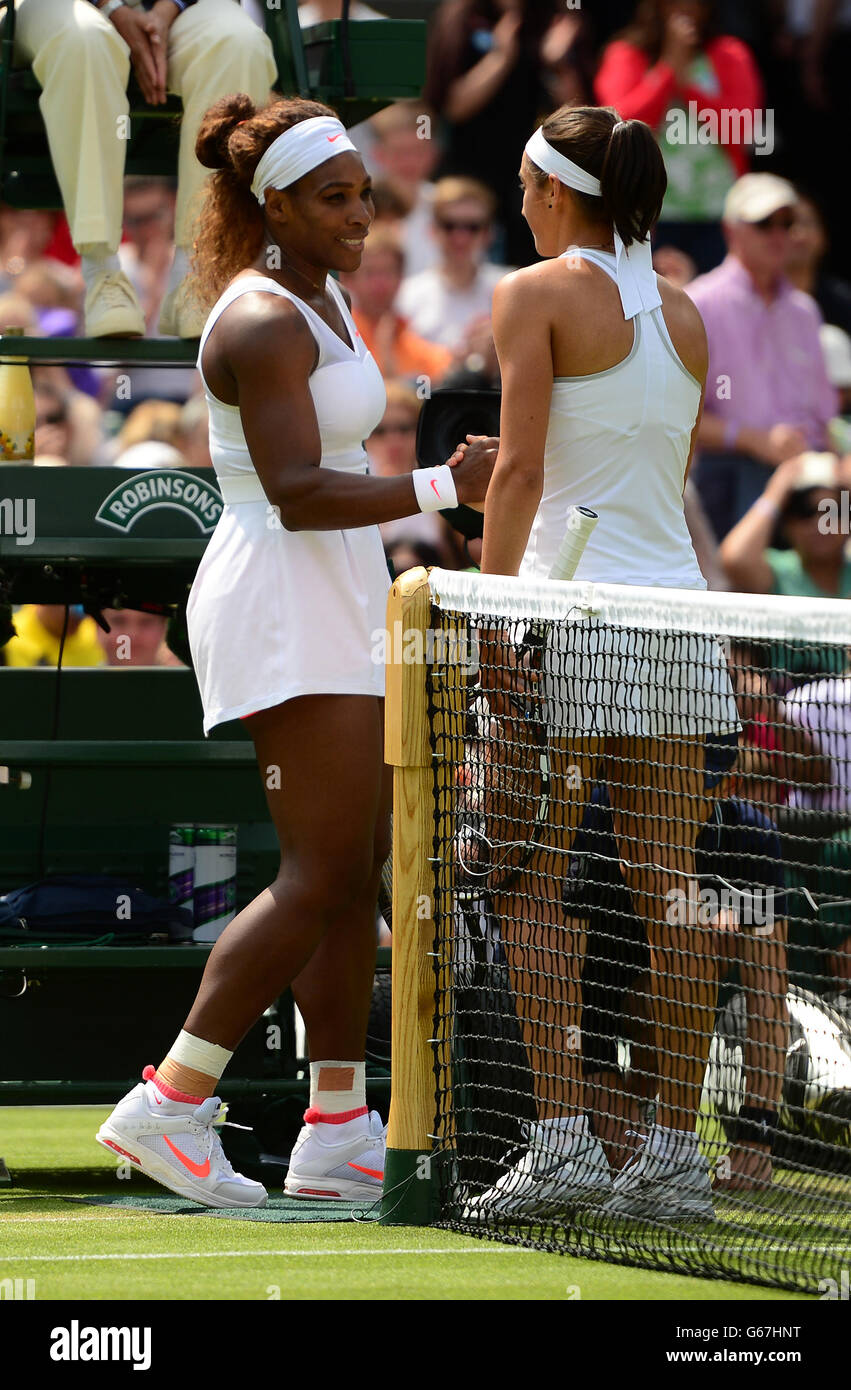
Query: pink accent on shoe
x,y
314,1116
151,1074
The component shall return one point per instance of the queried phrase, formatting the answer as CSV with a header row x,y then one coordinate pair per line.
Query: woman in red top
x,y
673,70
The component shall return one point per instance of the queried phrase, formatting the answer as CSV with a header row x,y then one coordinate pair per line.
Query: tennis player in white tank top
x,y
603,371
282,625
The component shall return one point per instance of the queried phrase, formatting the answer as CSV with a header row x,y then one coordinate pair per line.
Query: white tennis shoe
x,y
174,1143
654,1187
559,1170
351,1169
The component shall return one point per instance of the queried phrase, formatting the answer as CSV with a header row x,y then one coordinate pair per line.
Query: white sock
x,y
97,260
668,1143
179,269
337,1089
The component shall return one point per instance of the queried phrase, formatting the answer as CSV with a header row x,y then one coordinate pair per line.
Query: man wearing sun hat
x,y
768,397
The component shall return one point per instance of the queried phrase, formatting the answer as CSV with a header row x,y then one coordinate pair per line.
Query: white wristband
x,y
435,488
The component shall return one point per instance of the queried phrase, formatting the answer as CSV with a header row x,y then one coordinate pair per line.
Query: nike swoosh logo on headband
x,y
334,137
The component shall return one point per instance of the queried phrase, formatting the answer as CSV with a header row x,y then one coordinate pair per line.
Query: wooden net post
x,y
408,1179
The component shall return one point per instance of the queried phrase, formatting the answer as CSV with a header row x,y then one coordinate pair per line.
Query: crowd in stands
x,y
751,228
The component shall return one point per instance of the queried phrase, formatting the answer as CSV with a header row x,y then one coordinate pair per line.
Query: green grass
x,y
75,1250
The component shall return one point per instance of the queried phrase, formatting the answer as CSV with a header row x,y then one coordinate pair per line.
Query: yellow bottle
x,y
17,405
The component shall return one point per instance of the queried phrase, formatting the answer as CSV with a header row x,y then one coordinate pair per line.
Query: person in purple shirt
x,y
768,397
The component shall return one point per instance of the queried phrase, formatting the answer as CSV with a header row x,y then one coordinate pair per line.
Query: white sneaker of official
x,y
348,1166
175,1143
559,1170
672,1185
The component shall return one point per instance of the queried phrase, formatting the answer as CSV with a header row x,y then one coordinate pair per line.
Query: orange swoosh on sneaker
x,y
200,1170
370,1172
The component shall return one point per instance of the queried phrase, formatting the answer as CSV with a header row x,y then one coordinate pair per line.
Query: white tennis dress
x,y
273,614
618,441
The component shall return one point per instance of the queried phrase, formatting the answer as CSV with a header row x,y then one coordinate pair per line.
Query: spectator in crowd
x,y
674,265
25,234
39,627
836,346
55,290
805,495
397,348
68,423
807,250
569,61
134,638
822,710
82,59
485,76
476,365
391,450
52,423
391,203
193,433
405,151
152,420
672,68
149,453
774,753
146,254
444,303
807,79
406,555
768,397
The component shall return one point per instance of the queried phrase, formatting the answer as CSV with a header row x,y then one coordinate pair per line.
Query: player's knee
x,y
330,888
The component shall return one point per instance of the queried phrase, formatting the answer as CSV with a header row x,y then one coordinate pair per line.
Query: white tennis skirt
x,y
597,679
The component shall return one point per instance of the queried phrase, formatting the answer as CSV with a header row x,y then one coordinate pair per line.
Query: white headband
x,y
635,274
297,151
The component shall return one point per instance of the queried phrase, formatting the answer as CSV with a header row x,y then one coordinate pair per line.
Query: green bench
x,y
113,757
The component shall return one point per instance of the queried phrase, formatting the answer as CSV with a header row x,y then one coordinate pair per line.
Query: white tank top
x,y
618,442
348,403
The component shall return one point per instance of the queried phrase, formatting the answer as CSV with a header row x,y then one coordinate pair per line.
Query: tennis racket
x,y
504,805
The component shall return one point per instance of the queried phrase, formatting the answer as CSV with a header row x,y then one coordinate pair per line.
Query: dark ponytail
x,y
623,155
633,180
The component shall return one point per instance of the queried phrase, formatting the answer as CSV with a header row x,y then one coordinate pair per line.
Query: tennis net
x,y
638,840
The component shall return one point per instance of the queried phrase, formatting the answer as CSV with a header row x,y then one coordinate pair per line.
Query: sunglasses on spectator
x,y
398,428
449,224
783,221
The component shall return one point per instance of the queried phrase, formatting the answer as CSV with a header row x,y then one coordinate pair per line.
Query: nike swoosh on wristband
x,y
434,485
200,1170
370,1172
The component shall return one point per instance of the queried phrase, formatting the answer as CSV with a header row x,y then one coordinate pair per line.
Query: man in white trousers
x,y
81,52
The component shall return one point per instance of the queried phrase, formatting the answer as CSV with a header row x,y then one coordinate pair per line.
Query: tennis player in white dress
x,y
603,372
283,617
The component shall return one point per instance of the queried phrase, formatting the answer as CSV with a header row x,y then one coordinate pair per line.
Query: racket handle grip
x,y
580,523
